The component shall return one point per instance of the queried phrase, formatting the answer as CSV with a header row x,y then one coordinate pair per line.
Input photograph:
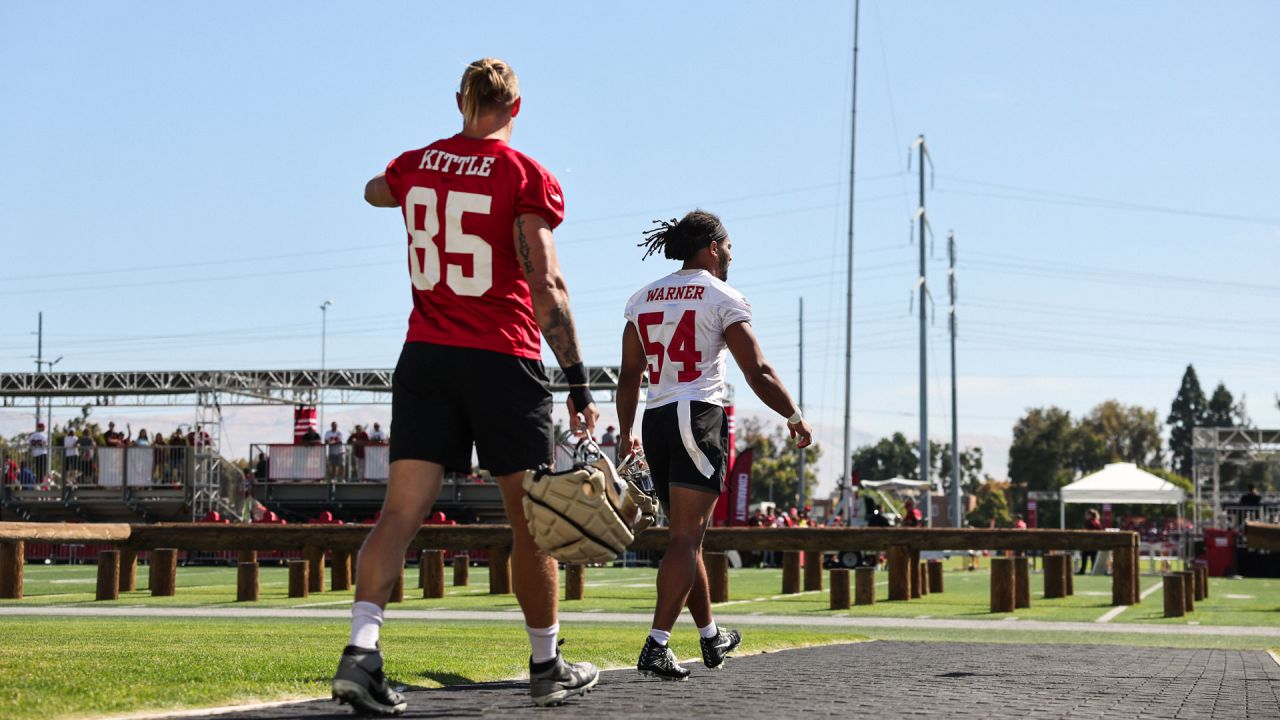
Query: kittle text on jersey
x,y
681,292
444,162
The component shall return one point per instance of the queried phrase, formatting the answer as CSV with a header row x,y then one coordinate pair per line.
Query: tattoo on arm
x,y
524,247
561,335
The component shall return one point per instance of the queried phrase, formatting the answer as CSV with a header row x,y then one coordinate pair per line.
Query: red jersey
x,y
460,197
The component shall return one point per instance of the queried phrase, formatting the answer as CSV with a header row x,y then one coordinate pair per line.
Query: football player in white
x,y
678,330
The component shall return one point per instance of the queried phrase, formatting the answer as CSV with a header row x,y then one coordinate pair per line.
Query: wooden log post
x,y
244,556
1055,577
397,590
1136,594
128,569
164,572
247,581
108,575
1188,591
790,572
461,570
1174,605
922,576
717,575
299,584
900,573
315,568
935,576
864,586
422,569
1003,593
499,570
575,581
839,588
341,579
913,569
1196,583
433,585
813,571
1068,574
1123,570
1204,579
1022,581
12,561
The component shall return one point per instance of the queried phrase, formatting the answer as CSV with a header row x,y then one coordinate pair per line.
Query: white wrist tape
x,y
795,419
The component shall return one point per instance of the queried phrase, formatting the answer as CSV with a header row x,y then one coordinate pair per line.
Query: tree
x,y
776,462
1040,457
890,457
1114,432
992,505
1186,414
970,466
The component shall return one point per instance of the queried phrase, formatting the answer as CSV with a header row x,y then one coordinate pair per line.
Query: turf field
x,y
64,666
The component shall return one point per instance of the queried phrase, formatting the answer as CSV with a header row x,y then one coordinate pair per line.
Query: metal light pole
x,y
41,364
324,380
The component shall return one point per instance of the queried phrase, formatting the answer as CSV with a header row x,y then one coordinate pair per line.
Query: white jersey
x,y
681,321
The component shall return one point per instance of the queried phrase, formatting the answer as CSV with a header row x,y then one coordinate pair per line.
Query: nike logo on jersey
x,y
681,292
556,196
444,162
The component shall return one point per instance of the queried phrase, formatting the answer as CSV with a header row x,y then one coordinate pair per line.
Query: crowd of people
x,y
71,455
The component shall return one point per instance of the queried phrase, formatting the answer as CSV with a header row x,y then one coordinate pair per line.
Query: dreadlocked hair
x,y
682,239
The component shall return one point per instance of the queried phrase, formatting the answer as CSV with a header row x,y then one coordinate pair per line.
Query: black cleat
x,y
360,683
562,680
658,661
716,649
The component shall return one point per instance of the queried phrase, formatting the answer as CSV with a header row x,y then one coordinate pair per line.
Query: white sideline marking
x,y
205,712
1229,596
1274,657
763,599
331,602
1111,614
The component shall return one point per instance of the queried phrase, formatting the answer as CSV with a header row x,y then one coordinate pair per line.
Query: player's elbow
x,y
761,376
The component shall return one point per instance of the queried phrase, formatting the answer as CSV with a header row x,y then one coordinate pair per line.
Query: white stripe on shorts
x,y
685,421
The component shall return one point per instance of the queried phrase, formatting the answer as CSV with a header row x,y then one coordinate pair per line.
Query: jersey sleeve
x,y
540,194
733,308
395,178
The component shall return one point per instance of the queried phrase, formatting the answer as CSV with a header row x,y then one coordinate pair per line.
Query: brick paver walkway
x,y
894,679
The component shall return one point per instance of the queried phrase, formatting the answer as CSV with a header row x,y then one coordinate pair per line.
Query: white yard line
x,y
334,602
1114,612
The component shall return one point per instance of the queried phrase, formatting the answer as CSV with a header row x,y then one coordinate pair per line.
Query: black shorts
x,y
444,399
669,430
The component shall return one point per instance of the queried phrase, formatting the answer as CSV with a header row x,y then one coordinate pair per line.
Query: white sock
x,y
660,636
543,642
709,631
366,625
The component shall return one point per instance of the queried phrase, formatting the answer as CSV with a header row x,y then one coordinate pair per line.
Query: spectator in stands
x,y
911,516
70,455
357,440
112,437
26,478
310,437
260,468
176,454
334,440
10,470
1091,522
199,437
1019,523
609,438
142,440
377,437
87,449
39,442
1251,498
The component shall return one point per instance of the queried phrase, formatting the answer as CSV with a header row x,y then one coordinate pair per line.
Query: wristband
x,y
576,376
795,419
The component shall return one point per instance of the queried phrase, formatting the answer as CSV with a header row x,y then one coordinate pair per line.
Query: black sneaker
x,y
360,683
657,660
716,649
560,680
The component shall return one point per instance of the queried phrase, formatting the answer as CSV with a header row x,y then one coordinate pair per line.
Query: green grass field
x,y
65,667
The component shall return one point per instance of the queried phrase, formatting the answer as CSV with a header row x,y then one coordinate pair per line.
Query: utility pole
x,y
924,394
41,364
956,515
846,478
800,489
324,378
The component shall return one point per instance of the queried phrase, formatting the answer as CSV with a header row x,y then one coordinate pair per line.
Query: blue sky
x,y
180,187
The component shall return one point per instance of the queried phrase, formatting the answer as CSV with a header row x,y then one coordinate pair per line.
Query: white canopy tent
x,y
898,484
1121,483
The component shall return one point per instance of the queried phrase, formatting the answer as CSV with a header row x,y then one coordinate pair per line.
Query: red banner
x,y
1031,513
740,488
304,418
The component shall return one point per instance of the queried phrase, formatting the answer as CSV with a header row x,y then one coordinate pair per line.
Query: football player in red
x,y
486,289
679,329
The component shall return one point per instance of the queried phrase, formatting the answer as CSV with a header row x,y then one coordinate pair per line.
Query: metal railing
x,y
1238,515
28,467
321,463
